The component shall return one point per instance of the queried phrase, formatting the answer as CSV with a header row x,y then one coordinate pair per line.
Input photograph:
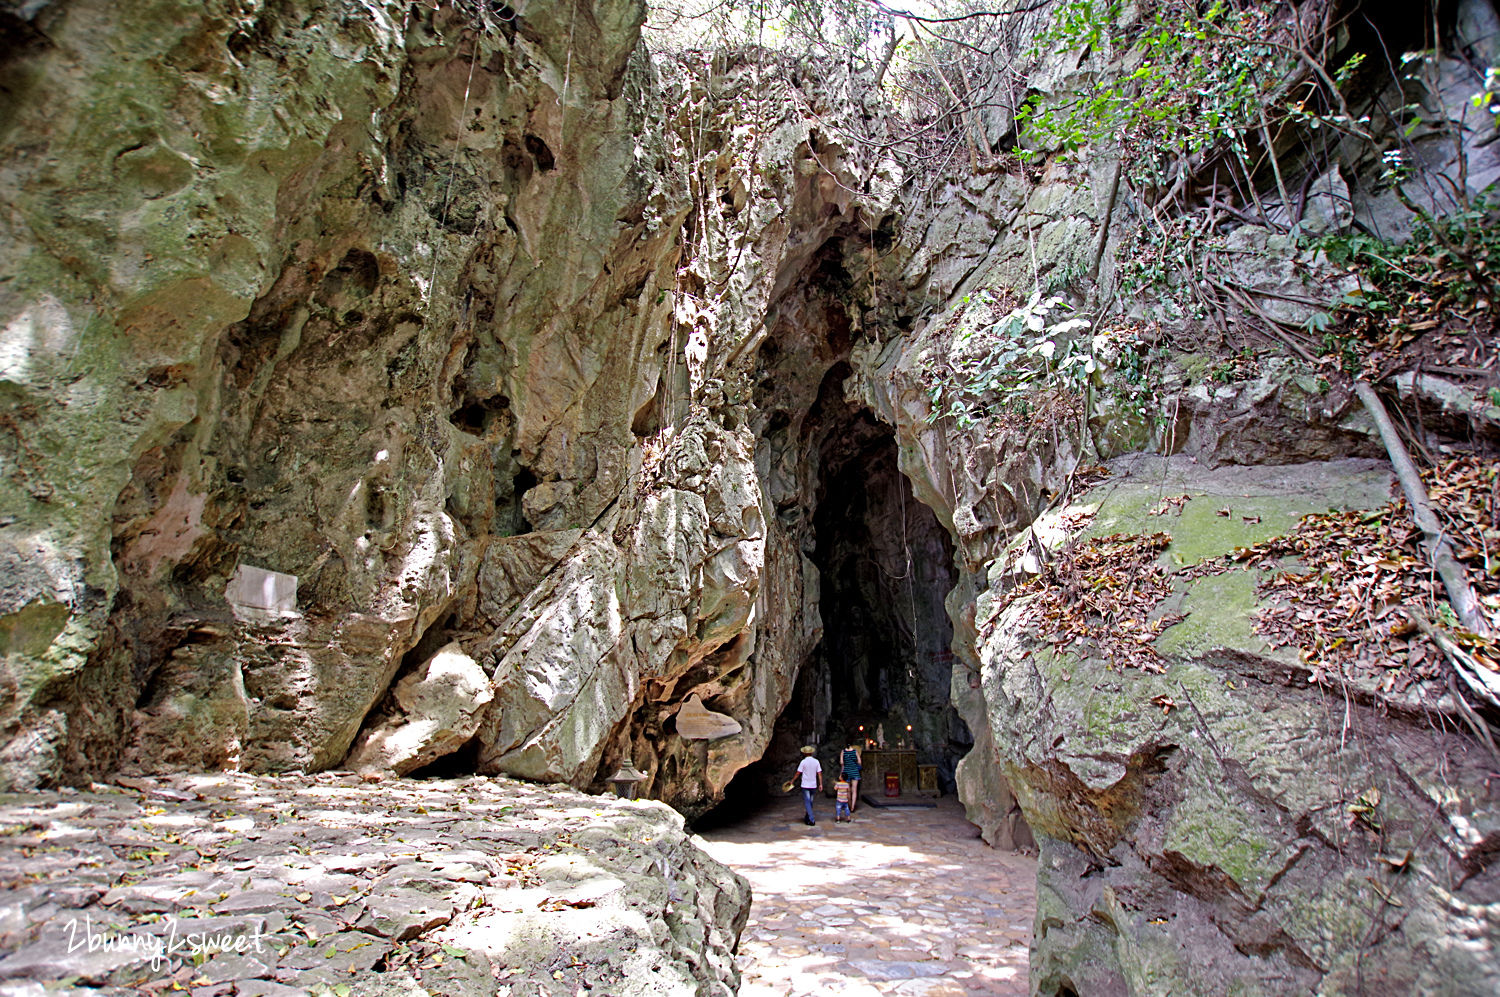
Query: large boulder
x,y
1214,812
435,710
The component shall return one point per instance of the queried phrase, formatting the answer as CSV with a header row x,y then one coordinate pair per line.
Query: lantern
x,y
627,781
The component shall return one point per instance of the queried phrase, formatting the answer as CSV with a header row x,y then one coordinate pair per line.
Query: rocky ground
x,y
328,884
902,902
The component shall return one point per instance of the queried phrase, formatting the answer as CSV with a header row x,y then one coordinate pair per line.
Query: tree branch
x,y
1030,8
1460,594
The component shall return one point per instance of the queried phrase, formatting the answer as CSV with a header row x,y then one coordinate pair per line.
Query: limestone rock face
x,y
417,333
438,708
1186,851
197,197
1200,826
382,383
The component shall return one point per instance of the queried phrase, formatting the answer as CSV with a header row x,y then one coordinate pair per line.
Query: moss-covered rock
x,y
1216,802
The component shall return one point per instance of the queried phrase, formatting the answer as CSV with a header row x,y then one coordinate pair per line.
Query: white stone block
x,y
259,594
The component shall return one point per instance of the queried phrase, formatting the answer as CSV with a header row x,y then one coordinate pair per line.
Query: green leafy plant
x,y
1239,367
1200,77
1030,348
1066,276
1345,348
1443,272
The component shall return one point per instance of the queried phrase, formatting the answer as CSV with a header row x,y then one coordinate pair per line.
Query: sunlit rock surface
x,y
333,884
1200,821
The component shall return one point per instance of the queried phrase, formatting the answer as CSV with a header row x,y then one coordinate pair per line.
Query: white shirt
x,y
809,770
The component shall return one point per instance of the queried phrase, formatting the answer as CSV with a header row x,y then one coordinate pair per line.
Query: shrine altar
x,y
878,762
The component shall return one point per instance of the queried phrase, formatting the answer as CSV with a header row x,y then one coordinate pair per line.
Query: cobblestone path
x,y
904,902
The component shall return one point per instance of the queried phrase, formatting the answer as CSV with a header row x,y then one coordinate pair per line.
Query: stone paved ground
x,y
904,902
244,886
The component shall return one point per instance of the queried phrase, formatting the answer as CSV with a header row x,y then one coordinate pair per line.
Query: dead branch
x,y
1479,679
1460,594
1109,213
977,138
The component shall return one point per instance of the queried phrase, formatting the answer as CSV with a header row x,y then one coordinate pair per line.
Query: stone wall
x,y
445,326
498,356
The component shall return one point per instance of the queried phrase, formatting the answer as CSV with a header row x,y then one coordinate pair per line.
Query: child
x,y
841,793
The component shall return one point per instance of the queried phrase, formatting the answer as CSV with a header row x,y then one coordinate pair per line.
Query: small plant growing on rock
x,y
1441,280
999,362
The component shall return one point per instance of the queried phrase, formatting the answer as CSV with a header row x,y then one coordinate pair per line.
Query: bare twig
x,y
1478,678
1030,8
977,138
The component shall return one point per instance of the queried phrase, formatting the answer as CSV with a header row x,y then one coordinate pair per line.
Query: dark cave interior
x,y
885,566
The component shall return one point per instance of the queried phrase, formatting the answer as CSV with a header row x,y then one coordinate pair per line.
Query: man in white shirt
x,y
810,778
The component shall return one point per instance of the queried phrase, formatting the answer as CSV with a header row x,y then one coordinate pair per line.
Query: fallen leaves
x,y
1336,584
1088,475
1397,863
1423,302
1168,504
1337,589
1383,893
558,903
1102,594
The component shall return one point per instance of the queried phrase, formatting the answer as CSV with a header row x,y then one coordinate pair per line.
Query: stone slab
x,y
260,593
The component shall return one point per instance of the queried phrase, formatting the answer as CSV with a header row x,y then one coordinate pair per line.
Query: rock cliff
x,y
441,344
460,388
375,298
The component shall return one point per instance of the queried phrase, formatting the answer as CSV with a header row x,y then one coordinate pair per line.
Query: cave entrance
x,y
884,664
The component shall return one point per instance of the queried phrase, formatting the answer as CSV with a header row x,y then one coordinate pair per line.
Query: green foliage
x,y
1344,347
1159,260
1238,367
1133,363
1029,362
1026,350
1200,77
1456,253
1068,275
1445,270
